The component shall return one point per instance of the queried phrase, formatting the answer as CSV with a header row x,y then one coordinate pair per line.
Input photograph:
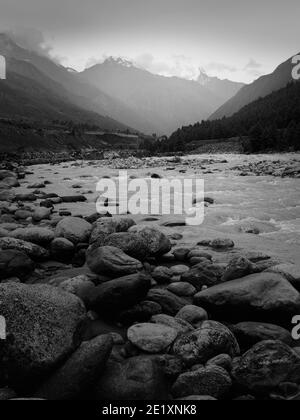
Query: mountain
x,y
159,104
52,90
261,87
272,122
223,88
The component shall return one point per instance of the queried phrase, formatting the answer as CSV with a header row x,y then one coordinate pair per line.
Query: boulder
x,y
266,365
113,296
151,338
203,275
107,226
182,289
111,261
193,315
41,325
264,296
157,242
62,249
177,324
26,197
213,381
169,302
41,213
290,271
222,244
14,263
74,229
206,342
129,242
137,378
162,274
35,252
250,333
36,235
237,268
80,372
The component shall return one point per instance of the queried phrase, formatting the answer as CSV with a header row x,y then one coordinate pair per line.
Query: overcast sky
x,y
235,39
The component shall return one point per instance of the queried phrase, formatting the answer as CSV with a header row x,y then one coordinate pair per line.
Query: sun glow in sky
x,y
235,39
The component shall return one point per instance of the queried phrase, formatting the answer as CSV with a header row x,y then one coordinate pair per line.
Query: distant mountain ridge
x,y
160,103
260,88
223,88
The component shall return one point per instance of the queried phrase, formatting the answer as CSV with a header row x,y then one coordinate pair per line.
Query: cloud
x,y
177,65
33,40
252,64
220,67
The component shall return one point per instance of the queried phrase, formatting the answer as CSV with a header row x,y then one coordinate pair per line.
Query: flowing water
x,y
265,204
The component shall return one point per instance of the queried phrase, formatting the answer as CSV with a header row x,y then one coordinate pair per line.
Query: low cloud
x,y
220,67
252,64
33,40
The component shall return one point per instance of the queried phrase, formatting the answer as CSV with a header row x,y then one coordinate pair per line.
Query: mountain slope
x,y
164,102
28,93
273,122
261,87
79,92
223,88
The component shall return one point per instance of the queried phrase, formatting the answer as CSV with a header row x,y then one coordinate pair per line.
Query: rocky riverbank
x,y
110,308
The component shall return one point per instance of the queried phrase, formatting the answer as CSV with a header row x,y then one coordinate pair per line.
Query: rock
x,y
115,295
137,378
36,186
266,365
36,235
112,261
209,340
23,214
178,270
14,263
106,226
73,199
141,312
7,195
41,324
129,242
33,251
157,242
193,315
80,372
181,254
79,285
169,302
203,275
290,271
162,274
211,380
222,244
62,249
250,333
151,338
41,213
74,229
25,197
237,268
197,253
264,296
182,289
223,360
177,324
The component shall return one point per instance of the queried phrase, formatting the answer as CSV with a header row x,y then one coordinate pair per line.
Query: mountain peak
x,y
203,77
120,61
